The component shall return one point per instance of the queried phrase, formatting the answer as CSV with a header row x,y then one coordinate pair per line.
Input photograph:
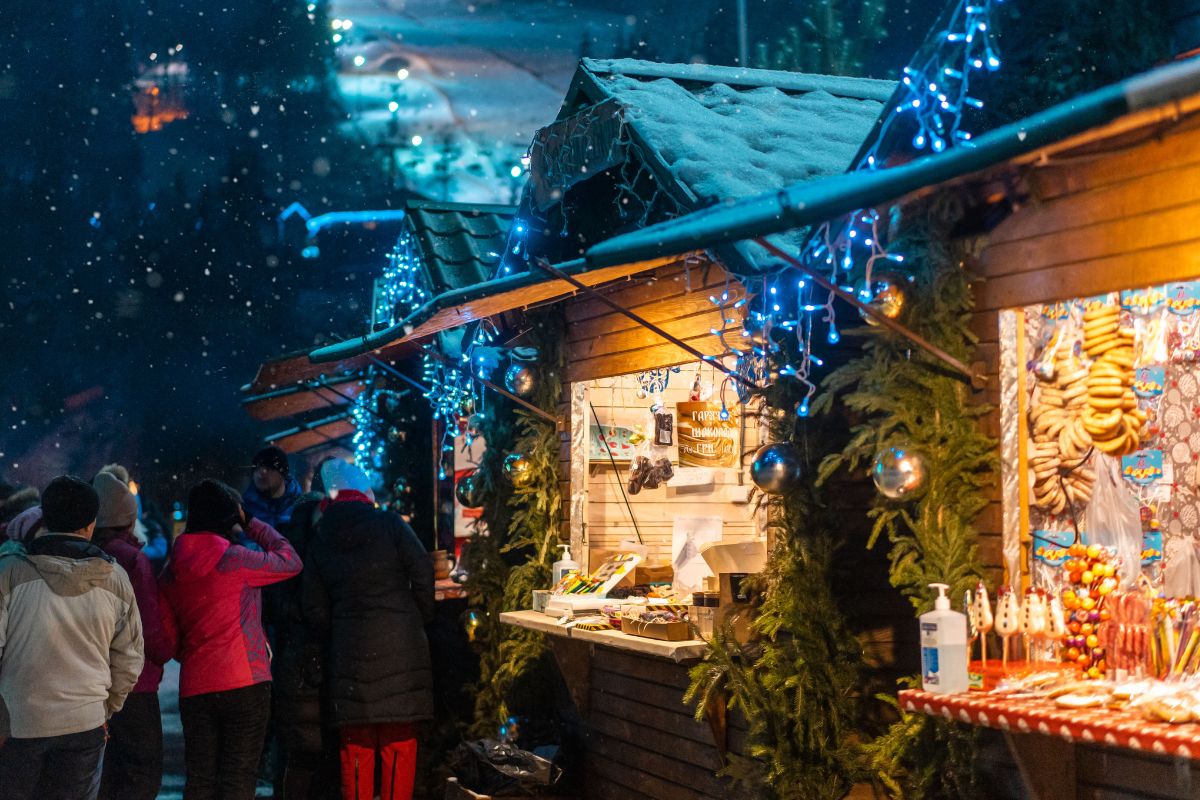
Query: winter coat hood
x,y
197,554
348,525
69,565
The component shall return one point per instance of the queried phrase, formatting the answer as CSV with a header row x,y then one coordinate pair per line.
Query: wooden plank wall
x,y
640,740
608,522
1115,221
602,343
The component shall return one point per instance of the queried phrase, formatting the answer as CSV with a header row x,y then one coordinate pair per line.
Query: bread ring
x,y
1100,312
1121,360
1105,403
1092,341
1100,348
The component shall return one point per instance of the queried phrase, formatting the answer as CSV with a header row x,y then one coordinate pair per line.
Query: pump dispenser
x,y
564,564
943,647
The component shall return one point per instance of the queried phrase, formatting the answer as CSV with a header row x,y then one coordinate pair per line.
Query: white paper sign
x,y
687,536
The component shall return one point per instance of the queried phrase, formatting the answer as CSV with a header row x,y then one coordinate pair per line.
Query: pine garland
x,y
904,397
796,682
506,567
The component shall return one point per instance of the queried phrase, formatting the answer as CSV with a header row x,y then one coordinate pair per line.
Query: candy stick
x,y
983,610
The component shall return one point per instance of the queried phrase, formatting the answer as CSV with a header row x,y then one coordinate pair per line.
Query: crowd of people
x,y
296,618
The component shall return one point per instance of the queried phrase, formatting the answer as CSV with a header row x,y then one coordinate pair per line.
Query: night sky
x,y
143,271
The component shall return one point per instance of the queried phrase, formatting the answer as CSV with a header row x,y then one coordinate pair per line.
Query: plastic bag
x,y
1114,519
1182,571
651,464
500,769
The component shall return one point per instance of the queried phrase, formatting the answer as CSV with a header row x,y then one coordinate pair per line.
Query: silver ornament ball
x,y
776,468
520,380
900,473
467,491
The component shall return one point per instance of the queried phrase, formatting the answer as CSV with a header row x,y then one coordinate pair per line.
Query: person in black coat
x,y
370,591
297,668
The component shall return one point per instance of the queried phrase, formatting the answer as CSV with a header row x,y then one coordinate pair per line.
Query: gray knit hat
x,y
118,506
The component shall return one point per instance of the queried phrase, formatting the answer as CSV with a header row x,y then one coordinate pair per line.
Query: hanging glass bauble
x,y
471,619
886,294
900,473
776,468
520,379
756,329
391,402
519,469
468,491
395,435
475,424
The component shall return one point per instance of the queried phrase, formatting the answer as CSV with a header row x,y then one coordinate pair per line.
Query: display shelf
x,y
1103,726
690,650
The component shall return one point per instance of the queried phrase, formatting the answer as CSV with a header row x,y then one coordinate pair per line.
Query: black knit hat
x,y
273,457
69,504
212,506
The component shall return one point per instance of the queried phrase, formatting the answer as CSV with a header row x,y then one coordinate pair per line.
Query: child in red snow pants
x,y
394,744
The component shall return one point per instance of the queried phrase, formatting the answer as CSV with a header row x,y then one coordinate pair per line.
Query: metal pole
x,y
887,322
545,266
743,36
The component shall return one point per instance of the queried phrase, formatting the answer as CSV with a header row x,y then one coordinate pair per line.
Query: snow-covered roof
x,y
726,133
461,243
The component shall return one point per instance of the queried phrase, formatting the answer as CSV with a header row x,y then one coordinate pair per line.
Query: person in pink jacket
x,y
212,601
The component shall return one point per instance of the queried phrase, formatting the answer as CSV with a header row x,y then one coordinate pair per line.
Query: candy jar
x,y
1008,620
983,610
1033,622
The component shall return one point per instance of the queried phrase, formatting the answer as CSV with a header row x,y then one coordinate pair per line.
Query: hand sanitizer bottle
x,y
943,647
564,564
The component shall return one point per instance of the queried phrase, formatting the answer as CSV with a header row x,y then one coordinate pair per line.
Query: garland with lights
x,y
796,682
904,399
522,515
451,384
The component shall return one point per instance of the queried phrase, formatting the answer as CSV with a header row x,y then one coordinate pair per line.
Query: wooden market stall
x,y
624,153
1080,229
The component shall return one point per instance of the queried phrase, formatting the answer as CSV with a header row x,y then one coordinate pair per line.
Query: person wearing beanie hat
x,y
67,605
338,475
368,591
272,492
117,505
133,761
211,595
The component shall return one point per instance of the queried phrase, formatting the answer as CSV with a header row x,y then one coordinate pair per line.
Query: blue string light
x,y
404,286
935,94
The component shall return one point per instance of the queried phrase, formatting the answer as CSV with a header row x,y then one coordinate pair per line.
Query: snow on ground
x,y
479,80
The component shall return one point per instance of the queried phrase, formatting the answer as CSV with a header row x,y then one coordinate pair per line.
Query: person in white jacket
x,y
70,651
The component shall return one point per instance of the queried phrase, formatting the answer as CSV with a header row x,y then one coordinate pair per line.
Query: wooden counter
x,y
1079,753
690,650
631,731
